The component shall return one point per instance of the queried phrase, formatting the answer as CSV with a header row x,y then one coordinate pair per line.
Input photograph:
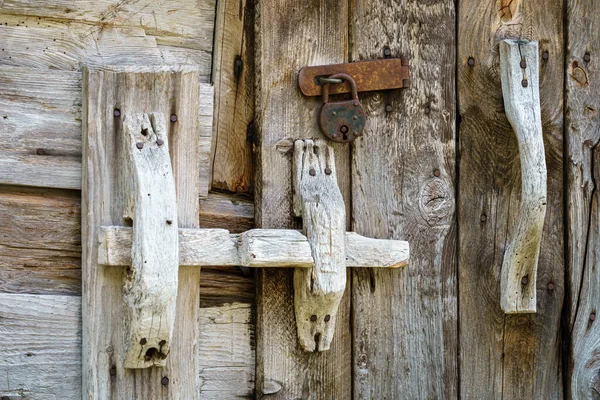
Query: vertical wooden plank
x,y
142,90
233,77
289,35
583,134
403,187
506,356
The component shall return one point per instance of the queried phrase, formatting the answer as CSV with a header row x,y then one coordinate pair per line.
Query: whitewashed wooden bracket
x,y
519,66
150,289
318,200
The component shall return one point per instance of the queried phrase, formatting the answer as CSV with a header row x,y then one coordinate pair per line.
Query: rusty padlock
x,y
342,121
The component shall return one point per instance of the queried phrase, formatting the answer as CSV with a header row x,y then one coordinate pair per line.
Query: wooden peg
x,y
318,291
519,68
150,288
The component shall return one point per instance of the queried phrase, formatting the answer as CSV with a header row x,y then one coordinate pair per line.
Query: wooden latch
x,y
519,66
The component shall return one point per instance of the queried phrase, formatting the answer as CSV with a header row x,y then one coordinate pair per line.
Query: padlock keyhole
x,y
344,131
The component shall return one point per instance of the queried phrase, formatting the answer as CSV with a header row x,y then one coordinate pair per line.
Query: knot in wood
x,y
436,201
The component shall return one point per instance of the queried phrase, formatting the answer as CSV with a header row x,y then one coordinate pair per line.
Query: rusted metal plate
x,y
388,73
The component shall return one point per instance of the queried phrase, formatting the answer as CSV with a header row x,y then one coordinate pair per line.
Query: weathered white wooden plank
x,y
40,350
150,289
50,369
273,248
175,91
226,348
521,92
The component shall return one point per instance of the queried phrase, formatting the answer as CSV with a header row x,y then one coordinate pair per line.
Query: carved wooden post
x,y
520,87
150,288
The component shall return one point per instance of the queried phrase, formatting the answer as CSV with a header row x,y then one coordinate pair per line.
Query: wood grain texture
x,y
50,369
289,35
403,187
233,78
506,356
40,353
583,228
521,93
167,91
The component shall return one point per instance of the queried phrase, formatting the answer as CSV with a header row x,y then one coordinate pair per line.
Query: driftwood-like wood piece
x,y
520,88
257,248
150,289
317,198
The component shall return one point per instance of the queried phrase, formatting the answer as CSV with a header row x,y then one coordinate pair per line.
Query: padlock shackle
x,y
341,75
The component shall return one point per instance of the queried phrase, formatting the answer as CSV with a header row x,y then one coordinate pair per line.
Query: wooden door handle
x,y
519,68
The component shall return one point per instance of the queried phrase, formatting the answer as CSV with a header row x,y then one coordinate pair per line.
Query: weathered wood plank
x,y
40,128
583,135
40,249
233,77
403,187
40,352
506,356
50,369
169,92
187,24
289,35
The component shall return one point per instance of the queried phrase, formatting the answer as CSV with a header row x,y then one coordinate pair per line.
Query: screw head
x,y
387,52
164,381
159,142
139,145
173,118
312,172
523,64
524,83
550,286
327,171
313,318
587,57
483,218
117,112
388,108
471,61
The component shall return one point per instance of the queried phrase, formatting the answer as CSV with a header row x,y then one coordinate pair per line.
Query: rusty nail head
x,y
159,142
550,285
113,371
388,108
334,113
164,381
328,171
524,280
436,173
356,104
139,145
523,64
117,112
173,118
427,110
471,61
545,55
355,117
312,172
169,221
387,52
313,318
587,57
40,152
483,218
327,318
524,83
592,316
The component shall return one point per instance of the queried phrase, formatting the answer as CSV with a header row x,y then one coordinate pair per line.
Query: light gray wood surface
x,y
521,93
582,128
404,187
291,34
133,90
507,356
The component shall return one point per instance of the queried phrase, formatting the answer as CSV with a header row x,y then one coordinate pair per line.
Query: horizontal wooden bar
x,y
256,248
